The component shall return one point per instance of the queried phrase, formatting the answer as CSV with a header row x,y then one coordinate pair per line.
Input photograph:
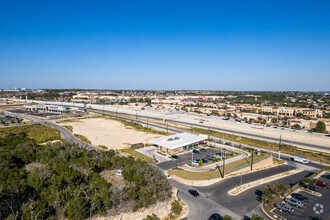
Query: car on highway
x,y
215,216
274,127
193,192
284,207
209,157
174,156
322,184
327,176
313,188
294,202
299,196
196,151
204,160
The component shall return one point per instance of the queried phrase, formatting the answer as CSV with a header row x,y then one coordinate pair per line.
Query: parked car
x,y
174,156
209,157
313,188
299,196
322,184
204,160
195,162
196,151
202,150
118,173
294,202
327,176
215,216
193,192
284,207
218,155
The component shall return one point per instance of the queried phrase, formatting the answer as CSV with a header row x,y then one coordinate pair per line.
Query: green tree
x,y
296,126
200,162
259,118
320,127
257,217
299,115
77,208
274,120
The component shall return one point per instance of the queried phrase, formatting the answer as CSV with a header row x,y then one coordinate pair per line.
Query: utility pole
x,y
223,167
147,122
279,148
192,157
136,115
209,134
103,111
252,159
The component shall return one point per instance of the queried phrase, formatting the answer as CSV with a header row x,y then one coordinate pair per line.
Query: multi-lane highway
x,y
321,145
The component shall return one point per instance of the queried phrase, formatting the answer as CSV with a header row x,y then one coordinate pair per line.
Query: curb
x,y
262,208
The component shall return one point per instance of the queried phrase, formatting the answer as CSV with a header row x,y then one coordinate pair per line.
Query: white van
x,y
300,159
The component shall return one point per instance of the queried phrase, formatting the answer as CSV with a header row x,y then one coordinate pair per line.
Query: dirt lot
x,y
110,133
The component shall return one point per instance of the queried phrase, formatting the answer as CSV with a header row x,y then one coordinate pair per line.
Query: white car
x,y
168,176
195,163
119,173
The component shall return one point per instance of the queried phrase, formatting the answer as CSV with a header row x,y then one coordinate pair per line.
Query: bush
x,y
227,217
176,207
152,217
257,217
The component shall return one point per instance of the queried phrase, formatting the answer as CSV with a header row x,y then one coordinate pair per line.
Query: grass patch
x,y
103,147
69,127
137,155
214,173
285,148
37,132
68,121
83,138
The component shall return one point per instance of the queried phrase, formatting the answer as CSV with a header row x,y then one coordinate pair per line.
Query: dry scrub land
x,y
110,133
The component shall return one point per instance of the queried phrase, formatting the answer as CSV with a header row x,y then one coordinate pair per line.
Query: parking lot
x,y
316,208
187,157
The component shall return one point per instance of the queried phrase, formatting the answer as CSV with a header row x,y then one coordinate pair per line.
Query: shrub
x,y
227,217
257,217
176,207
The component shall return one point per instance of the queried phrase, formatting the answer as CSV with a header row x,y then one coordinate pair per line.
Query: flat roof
x,y
178,140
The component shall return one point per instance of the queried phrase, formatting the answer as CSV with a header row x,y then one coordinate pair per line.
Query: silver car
x,y
284,207
294,202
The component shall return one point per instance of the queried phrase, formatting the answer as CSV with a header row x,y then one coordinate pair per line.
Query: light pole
x,y
279,148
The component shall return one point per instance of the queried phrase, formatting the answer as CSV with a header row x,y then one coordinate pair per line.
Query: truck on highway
x,y
258,126
300,159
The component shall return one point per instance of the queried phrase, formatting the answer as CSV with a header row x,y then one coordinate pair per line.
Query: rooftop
x,y
178,140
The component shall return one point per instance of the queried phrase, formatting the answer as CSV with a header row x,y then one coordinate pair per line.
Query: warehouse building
x,y
179,142
47,108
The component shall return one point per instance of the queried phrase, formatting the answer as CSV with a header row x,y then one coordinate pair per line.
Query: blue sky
x,y
225,45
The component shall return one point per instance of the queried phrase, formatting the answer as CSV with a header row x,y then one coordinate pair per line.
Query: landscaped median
x,y
214,175
138,155
240,189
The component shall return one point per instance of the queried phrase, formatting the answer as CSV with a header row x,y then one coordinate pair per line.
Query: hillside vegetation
x,y
61,181
37,132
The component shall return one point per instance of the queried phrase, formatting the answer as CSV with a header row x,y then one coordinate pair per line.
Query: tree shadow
x,y
259,195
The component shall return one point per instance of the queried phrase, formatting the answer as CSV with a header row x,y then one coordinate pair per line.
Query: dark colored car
x,y
215,216
327,176
313,188
196,151
204,160
209,157
174,156
322,184
193,192
202,150
299,196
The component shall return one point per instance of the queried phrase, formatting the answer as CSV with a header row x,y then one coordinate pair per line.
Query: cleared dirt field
x,y
110,133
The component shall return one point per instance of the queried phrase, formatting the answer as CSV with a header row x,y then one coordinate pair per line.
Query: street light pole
x,y
279,148
240,186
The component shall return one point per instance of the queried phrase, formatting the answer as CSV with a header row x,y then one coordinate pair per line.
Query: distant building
x,y
47,108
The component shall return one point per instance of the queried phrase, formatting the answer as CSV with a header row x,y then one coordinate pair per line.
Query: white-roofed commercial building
x,y
179,142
